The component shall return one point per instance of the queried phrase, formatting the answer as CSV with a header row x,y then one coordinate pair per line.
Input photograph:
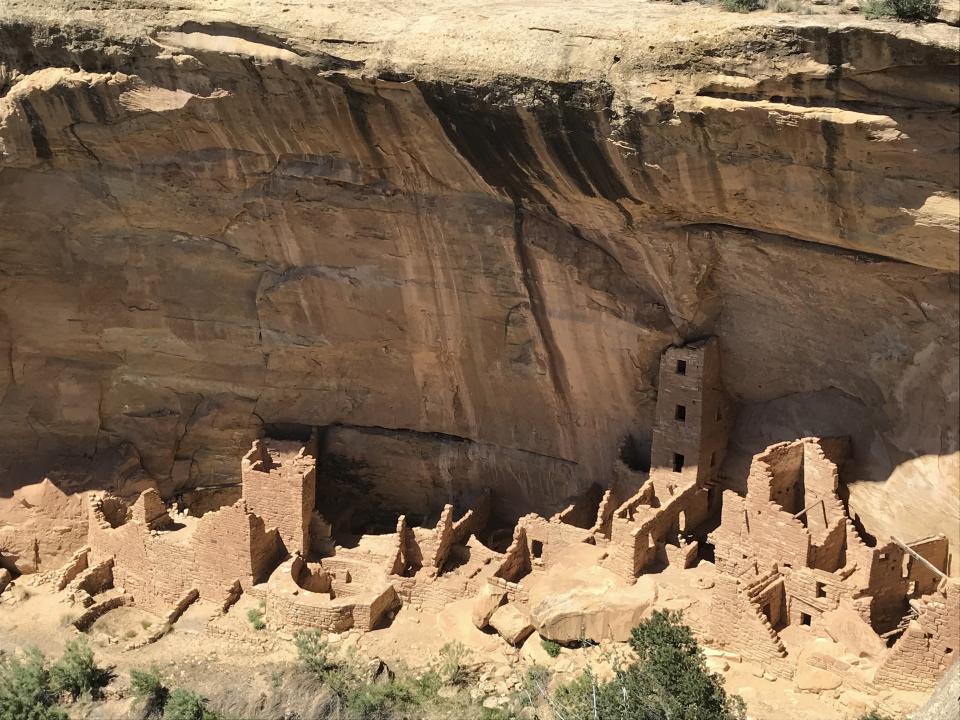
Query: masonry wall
x,y
548,539
279,485
157,568
930,644
290,607
741,624
700,436
640,532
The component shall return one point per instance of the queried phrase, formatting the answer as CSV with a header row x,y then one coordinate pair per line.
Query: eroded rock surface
x,y
465,236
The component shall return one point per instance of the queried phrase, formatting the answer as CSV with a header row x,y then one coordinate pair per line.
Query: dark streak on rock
x,y
37,132
432,435
532,283
831,140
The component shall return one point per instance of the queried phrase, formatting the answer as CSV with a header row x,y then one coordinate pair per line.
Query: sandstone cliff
x,y
459,237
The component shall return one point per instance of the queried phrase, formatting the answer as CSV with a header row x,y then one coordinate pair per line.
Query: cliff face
x,y
461,239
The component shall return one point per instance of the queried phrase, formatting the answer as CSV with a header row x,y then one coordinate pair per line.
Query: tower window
x,y
681,413
805,619
681,367
537,548
821,589
677,462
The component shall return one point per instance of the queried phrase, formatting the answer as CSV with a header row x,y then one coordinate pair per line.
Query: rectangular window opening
x,y
821,590
677,462
537,548
680,413
805,619
681,367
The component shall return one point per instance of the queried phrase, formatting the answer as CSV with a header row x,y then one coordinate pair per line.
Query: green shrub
x,y
148,689
75,673
909,10
255,616
669,679
378,701
742,6
495,714
426,686
25,689
552,647
314,653
186,705
452,669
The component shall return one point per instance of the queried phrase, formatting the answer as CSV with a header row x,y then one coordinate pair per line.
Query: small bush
x,y
378,701
426,687
495,714
25,689
314,653
75,673
452,669
186,705
255,616
908,10
150,692
742,6
552,647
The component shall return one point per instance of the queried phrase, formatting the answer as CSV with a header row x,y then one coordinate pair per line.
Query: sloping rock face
x,y
468,235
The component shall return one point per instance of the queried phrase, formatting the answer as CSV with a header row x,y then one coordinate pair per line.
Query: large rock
x,y
512,624
853,634
815,680
462,242
485,604
594,613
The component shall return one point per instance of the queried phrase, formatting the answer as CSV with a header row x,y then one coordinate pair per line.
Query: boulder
x,y
513,625
816,680
485,604
852,633
602,613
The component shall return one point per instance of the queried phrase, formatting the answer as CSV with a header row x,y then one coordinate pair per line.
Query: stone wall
x,y
157,568
290,606
929,645
547,539
692,414
739,623
279,485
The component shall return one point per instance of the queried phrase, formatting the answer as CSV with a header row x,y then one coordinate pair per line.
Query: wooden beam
x,y
811,505
939,573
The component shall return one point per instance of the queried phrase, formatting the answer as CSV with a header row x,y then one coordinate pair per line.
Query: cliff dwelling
x,y
431,353
776,570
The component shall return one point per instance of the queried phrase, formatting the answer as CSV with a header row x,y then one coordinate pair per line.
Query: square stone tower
x,y
692,418
279,485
